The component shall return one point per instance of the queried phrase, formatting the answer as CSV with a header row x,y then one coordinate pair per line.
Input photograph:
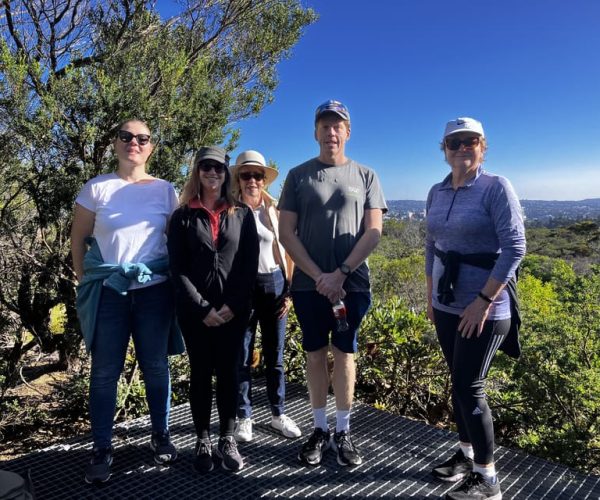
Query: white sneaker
x,y
243,430
286,426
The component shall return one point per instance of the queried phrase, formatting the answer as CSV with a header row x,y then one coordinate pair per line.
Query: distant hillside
x,y
535,210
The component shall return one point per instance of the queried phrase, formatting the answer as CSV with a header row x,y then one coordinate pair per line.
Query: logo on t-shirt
x,y
354,191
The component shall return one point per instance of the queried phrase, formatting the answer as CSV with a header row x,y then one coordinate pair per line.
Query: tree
x,y
70,72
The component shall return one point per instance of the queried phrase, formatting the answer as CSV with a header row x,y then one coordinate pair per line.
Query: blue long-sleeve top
x,y
118,277
483,216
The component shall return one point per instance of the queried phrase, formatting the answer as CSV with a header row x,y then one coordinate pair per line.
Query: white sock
x,y
320,418
488,473
342,420
467,451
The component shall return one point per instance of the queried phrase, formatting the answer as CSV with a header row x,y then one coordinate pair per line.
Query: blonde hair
x,y
193,187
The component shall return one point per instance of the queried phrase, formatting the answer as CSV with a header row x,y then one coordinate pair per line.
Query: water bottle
x,y
339,311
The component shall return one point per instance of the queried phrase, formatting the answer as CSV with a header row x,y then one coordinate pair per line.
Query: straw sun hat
x,y
247,159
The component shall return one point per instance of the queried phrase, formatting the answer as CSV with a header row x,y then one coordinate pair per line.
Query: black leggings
x,y
469,361
213,350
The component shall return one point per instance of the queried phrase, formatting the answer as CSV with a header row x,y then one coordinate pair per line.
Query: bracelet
x,y
484,297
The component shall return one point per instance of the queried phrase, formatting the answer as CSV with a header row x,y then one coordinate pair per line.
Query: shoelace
x,y
230,447
345,442
285,421
203,448
473,479
316,438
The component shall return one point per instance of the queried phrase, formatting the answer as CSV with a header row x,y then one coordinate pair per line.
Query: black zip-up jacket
x,y
206,276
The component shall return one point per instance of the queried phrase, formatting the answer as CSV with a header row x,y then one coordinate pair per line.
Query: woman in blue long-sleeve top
x,y
475,242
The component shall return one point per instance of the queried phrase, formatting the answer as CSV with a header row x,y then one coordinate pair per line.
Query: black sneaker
x,y
228,452
204,460
347,453
98,468
312,451
475,487
164,451
456,468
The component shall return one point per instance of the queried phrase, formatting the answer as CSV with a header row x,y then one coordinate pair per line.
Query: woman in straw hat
x,y
251,176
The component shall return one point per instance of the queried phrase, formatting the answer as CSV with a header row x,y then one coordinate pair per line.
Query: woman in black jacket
x,y
213,253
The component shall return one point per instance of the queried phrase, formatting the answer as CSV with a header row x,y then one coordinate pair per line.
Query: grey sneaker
x,y
98,468
164,451
475,487
204,460
312,451
347,453
457,467
228,452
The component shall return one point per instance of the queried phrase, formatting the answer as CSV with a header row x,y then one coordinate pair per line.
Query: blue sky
x,y
528,69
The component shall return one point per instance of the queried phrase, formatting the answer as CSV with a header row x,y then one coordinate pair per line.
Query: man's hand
x,y
330,285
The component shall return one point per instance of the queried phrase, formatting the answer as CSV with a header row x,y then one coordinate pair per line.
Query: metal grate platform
x,y
398,457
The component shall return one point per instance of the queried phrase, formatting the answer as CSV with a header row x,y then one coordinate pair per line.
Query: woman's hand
x,y
430,313
213,318
225,313
284,307
473,318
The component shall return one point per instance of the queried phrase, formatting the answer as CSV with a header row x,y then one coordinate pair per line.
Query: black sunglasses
x,y
125,136
207,166
453,144
257,176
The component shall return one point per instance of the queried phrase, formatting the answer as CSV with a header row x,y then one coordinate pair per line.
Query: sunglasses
x,y
467,142
125,136
257,176
207,166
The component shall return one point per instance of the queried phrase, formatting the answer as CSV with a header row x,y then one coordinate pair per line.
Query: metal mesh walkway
x,y
398,456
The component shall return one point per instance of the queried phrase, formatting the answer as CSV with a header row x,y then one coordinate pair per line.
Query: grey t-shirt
x,y
330,202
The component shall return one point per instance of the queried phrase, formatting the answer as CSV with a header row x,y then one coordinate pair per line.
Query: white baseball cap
x,y
464,124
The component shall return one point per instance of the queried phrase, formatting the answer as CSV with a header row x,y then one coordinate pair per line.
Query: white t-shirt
x,y
266,258
131,218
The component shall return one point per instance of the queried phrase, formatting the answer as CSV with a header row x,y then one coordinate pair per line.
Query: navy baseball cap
x,y
332,106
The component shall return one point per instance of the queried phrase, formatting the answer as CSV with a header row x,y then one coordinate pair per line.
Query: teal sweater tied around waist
x,y
118,277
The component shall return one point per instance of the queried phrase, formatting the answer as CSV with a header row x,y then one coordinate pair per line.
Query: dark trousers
x,y
267,300
213,350
469,361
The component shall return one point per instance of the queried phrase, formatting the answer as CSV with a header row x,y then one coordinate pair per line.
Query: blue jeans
x,y
146,314
267,300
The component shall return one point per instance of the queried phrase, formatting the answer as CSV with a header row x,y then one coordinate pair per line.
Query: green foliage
x,y
577,242
400,367
548,402
399,277
69,76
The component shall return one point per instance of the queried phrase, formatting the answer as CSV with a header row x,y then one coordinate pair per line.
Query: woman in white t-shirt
x,y
124,289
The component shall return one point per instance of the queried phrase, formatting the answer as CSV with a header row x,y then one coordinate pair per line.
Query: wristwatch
x,y
345,268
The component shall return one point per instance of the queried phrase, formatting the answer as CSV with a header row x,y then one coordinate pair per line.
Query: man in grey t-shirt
x,y
330,221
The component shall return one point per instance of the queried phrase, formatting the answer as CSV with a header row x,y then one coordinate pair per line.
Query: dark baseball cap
x,y
332,106
212,153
